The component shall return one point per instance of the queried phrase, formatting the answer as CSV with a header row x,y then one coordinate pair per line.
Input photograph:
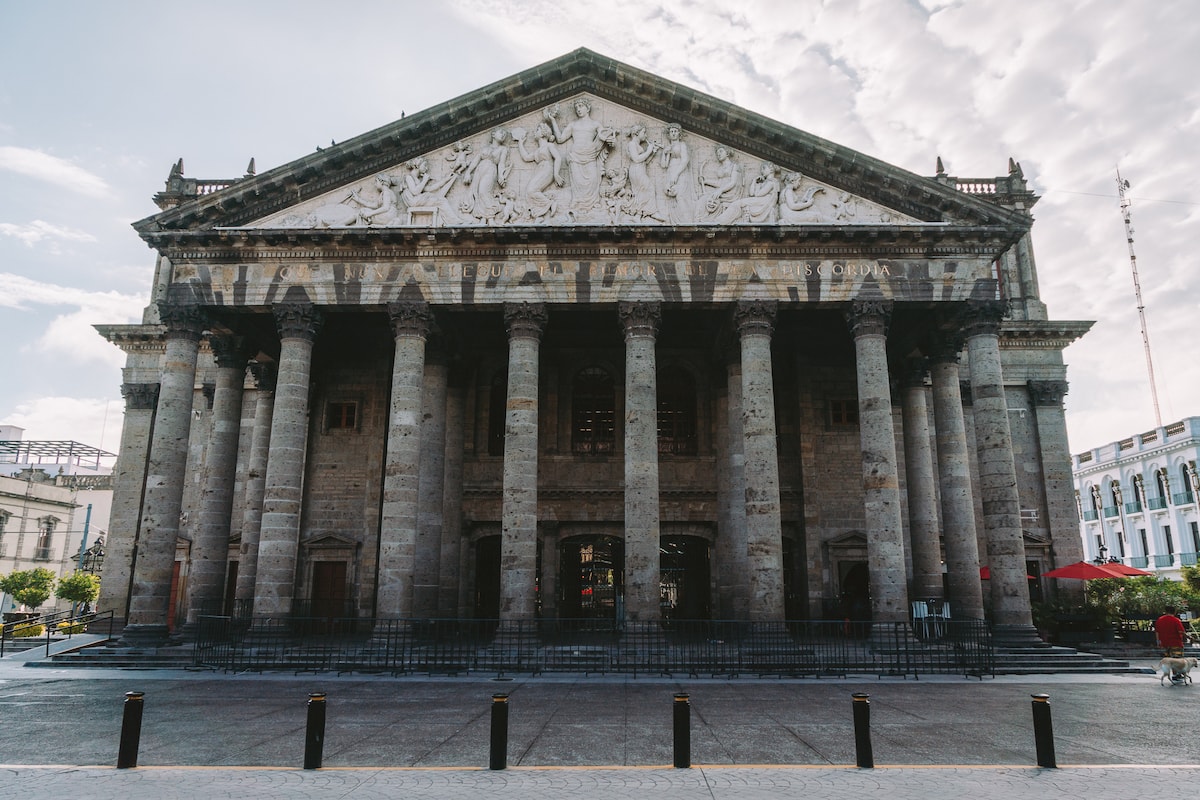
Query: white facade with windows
x,y
1139,499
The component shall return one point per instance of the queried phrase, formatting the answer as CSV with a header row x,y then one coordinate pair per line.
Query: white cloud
x,y
38,230
69,335
52,169
92,421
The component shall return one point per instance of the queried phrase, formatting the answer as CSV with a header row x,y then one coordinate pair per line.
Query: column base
x,y
144,637
1016,636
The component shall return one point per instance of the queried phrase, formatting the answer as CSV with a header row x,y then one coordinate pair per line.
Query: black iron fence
x,y
676,647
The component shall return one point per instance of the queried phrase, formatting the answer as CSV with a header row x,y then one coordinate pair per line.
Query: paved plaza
x,y
214,735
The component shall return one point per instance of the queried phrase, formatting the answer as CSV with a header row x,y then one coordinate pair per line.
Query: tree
x,y
30,587
79,587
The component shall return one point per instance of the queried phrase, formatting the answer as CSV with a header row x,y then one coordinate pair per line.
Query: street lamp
x,y
1102,558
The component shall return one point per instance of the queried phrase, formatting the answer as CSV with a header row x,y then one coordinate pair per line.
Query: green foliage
x,y
28,631
30,587
1118,598
1191,578
71,627
79,587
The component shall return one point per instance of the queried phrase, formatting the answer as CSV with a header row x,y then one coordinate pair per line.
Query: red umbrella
x,y
1121,569
1086,571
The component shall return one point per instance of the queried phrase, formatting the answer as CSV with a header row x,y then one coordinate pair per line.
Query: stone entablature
x,y
603,280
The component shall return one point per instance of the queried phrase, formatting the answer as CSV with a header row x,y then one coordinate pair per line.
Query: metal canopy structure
x,y
51,452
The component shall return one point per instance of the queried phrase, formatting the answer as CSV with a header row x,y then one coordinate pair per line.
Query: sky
x,y
98,100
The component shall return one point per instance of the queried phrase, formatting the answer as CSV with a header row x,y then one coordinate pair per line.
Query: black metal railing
x,y
676,647
71,623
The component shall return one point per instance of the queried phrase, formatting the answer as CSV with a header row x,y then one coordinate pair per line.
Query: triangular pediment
x,y
583,141
585,161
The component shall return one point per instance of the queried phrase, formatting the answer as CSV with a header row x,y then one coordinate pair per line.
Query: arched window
x,y
1185,484
1160,478
676,411
593,412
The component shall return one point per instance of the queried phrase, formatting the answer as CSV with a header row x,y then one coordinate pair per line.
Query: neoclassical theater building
x,y
586,343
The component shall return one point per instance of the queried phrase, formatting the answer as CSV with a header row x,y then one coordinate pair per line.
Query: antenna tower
x,y
1122,185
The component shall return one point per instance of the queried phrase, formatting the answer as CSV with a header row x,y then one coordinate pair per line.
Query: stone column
x,y
868,320
518,548
432,482
997,474
640,323
149,606
731,497
283,494
1061,509
210,547
954,475
256,480
755,322
398,535
922,491
129,476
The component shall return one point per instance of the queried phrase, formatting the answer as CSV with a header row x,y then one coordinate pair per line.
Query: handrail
x,y
9,629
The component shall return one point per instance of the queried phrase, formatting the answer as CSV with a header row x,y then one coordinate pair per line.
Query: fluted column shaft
x,y
922,491
640,323
881,489
283,494
210,546
954,475
518,554
997,471
128,476
401,487
755,322
256,479
149,607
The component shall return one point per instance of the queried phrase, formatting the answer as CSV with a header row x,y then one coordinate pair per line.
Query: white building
x,y
1139,499
55,501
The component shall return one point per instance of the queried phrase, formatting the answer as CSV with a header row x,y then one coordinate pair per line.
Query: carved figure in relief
x,y
642,203
487,174
720,181
422,191
762,205
548,171
614,192
459,156
589,141
678,188
845,208
794,203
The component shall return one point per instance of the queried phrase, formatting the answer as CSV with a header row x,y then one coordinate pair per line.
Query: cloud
x,y
38,230
92,421
52,169
70,335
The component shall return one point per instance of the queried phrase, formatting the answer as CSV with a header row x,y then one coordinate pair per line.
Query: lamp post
x,y
1102,558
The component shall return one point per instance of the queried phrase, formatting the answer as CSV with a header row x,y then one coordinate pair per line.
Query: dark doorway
x,y
230,586
856,590
487,578
684,585
591,577
329,589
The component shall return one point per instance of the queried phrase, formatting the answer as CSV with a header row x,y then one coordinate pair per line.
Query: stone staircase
x,y
1052,659
106,656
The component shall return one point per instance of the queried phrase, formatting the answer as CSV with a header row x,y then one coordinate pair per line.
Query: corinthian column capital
x,y
755,317
640,319
298,320
982,317
1047,393
525,320
410,318
869,317
183,321
140,396
230,350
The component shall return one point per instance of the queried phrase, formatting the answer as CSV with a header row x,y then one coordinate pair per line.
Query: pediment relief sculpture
x,y
589,163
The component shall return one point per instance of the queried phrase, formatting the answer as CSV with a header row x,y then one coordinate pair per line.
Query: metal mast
x,y
1122,185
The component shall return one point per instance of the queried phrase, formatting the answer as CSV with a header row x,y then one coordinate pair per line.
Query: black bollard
x,y
683,731
1043,731
862,730
131,730
314,735
498,755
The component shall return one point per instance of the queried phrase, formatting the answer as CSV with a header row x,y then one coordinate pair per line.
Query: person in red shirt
x,y
1168,629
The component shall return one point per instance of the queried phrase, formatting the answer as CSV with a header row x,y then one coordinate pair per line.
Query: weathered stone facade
x,y
657,356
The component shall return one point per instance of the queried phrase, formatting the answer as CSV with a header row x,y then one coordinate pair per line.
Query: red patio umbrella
x,y
1122,569
1086,571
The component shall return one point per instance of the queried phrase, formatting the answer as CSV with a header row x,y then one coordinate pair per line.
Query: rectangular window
x,y
1145,542
1195,537
1167,538
843,412
341,416
45,531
